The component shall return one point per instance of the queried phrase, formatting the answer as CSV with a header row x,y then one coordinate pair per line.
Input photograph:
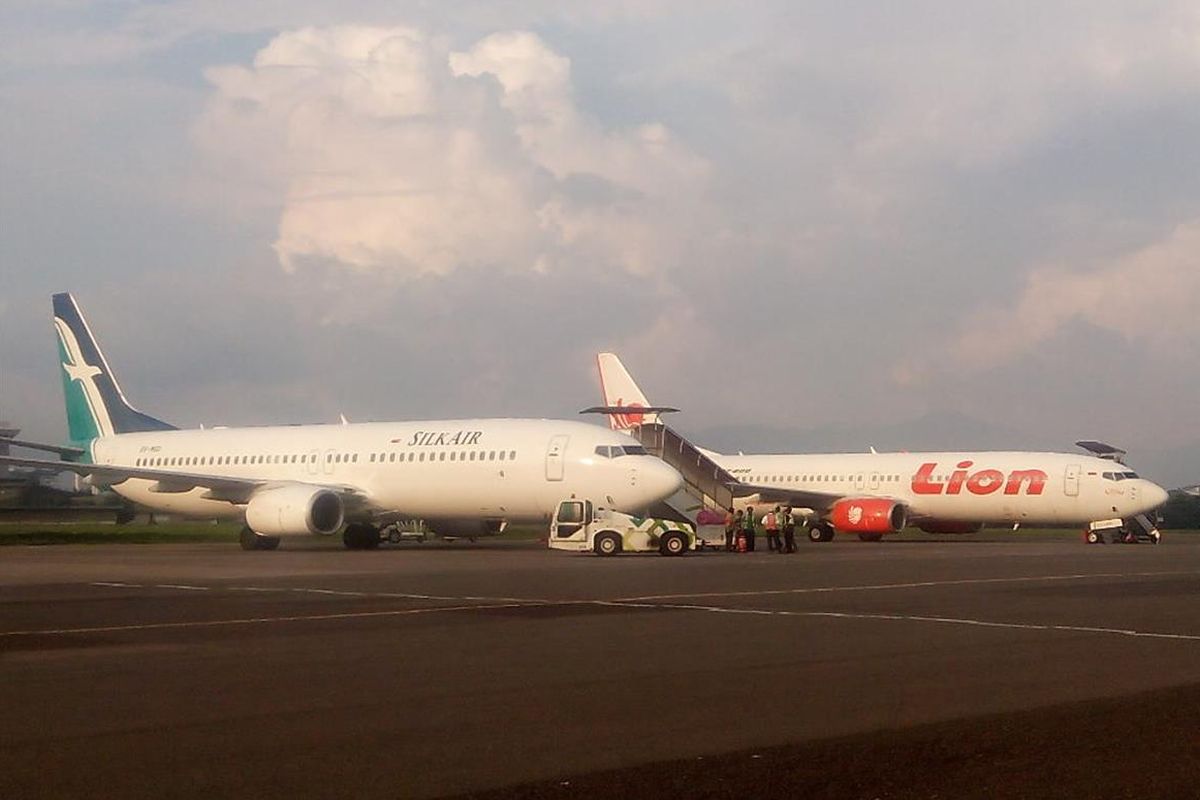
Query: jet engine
x,y
293,510
869,515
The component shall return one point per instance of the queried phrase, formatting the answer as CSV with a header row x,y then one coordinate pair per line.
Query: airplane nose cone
x,y
660,480
1155,495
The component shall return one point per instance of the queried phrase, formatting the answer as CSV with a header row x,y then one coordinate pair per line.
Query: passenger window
x,y
492,455
512,455
442,456
472,455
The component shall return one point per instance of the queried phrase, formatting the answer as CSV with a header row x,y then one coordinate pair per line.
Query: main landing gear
x,y
254,541
820,532
360,536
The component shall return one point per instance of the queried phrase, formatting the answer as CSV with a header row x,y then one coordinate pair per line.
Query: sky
x,y
810,225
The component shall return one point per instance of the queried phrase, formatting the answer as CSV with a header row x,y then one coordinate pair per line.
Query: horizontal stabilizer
x,y
630,410
1103,450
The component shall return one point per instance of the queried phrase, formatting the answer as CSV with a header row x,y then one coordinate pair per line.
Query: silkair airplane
x,y
464,477
873,494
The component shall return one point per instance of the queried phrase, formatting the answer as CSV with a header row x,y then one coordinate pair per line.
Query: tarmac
x,y
443,669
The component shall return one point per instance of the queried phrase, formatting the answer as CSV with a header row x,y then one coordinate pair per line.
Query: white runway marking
x,y
981,623
217,623
889,586
315,590
476,602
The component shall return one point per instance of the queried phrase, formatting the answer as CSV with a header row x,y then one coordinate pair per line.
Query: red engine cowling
x,y
938,526
869,515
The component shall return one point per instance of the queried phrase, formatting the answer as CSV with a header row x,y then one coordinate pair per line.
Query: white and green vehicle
x,y
580,526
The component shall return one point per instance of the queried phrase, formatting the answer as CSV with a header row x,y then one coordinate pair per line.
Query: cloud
x,y
390,152
1148,296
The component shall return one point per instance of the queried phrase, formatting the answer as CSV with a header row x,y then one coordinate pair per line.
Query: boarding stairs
x,y
706,484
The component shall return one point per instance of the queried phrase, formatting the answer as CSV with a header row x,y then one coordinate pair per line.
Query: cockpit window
x,y
1129,475
604,451
633,450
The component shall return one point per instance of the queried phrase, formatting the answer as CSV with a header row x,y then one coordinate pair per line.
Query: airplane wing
x,y
220,487
778,495
65,452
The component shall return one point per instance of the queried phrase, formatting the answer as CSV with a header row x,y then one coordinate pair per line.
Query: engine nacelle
x,y
938,526
295,509
869,515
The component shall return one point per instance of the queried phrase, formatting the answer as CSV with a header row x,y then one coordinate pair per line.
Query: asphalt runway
x,y
421,671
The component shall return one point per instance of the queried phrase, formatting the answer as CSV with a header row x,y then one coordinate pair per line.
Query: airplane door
x,y
328,462
874,480
555,457
1071,480
313,466
859,482
572,520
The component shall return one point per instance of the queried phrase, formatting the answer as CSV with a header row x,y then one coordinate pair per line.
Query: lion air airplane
x,y
873,494
463,477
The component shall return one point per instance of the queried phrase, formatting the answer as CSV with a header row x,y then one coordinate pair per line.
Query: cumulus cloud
x,y
1150,295
391,152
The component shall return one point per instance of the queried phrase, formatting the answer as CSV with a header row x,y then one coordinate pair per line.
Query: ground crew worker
x,y
789,531
732,523
748,528
771,523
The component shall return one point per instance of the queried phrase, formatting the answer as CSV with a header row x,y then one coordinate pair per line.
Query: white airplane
x,y
463,477
873,494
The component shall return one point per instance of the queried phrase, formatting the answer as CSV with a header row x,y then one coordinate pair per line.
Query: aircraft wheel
x,y
672,544
820,533
1094,537
607,544
360,537
870,537
248,539
268,542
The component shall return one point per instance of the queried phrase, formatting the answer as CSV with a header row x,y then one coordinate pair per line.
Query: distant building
x,y
7,431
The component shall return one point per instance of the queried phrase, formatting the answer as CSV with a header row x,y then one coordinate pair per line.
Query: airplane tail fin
x,y
619,390
95,404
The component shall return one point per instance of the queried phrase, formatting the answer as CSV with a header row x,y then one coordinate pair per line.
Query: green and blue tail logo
x,y
95,404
